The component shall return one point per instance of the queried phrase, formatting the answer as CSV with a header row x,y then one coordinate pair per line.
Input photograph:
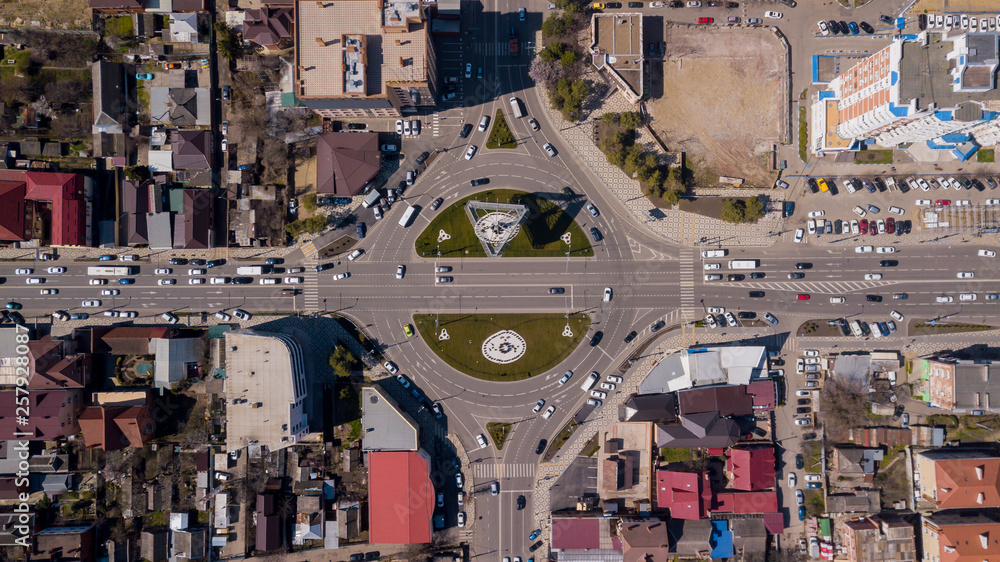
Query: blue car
x,y
143,76
802,513
106,257
126,281
853,27
534,534
814,485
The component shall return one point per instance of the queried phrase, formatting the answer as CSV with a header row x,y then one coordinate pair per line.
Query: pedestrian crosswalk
x,y
687,278
504,470
822,287
311,292
501,48
309,250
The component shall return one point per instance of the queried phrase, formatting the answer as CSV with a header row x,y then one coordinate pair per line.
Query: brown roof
x,y
191,228
645,540
110,428
50,367
268,26
731,400
53,414
192,150
65,544
346,162
132,340
116,4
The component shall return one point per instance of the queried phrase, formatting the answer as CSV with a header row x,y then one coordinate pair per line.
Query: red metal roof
x,y
576,532
752,468
688,495
400,498
65,192
762,393
12,210
747,502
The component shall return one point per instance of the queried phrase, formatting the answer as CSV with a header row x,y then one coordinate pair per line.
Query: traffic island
x,y
932,328
559,440
498,433
547,232
500,135
502,347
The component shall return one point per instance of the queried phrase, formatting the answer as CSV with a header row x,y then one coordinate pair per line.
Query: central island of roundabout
x,y
492,225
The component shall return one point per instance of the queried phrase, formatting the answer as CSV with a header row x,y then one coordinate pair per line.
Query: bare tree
x,y
844,402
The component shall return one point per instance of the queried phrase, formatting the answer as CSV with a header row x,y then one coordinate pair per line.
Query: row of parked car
x,y
962,21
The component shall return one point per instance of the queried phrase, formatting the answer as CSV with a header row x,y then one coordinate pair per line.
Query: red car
x,y
864,226
890,225
942,202
705,20
803,297
874,228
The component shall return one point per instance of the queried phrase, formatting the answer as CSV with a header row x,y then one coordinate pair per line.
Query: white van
x,y
856,329
515,106
590,381
218,280
268,281
355,254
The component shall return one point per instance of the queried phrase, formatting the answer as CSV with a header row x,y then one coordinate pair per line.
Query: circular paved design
x,y
504,347
496,228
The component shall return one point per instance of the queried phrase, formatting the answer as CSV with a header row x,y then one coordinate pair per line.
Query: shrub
x,y
309,202
630,120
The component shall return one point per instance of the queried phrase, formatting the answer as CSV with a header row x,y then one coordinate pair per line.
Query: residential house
x,y
192,150
727,400
687,495
751,468
119,7
644,540
386,426
856,460
180,107
880,538
954,478
271,27
616,48
698,430
183,28
689,538
53,414
134,340
859,501
268,524
346,162
65,544
400,497
155,545
14,527
660,408
134,208
121,419
52,364
49,206
964,535
111,107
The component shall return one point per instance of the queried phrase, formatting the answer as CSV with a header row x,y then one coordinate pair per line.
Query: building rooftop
x,y
384,426
572,533
925,78
727,400
400,496
688,495
617,45
752,468
705,367
345,162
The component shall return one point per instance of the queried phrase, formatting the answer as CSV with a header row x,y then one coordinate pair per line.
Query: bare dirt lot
x,y
723,100
49,14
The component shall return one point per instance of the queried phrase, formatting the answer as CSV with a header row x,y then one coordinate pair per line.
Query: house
x,y
181,107
133,340
176,359
578,533
50,207
52,365
120,421
687,495
188,543
134,207
954,478
193,222
268,524
15,526
348,520
155,545
746,502
856,460
271,27
385,426
751,468
117,7
192,150
727,400
962,385
880,538
111,96
689,538
699,430
65,544
859,501
962,536
645,540
660,408
53,416
183,28
345,162
400,497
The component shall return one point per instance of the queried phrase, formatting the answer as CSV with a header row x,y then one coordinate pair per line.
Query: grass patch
x,y
986,155
355,430
811,457
498,433
815,502
669,455
120,26
591,448
717,207
500,135
546,346
922,329
946,420
873,157
559,440
803,135
539,236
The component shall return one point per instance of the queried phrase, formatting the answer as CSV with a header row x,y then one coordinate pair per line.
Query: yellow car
x,y
822,185
408,329
598,5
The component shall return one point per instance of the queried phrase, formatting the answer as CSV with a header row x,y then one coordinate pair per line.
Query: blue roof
x,y
900,22
815,65
893,77
965,151
956,138
827,94
721,540
899,110
944,115
934,145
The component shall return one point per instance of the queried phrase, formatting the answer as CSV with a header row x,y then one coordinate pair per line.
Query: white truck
x,y
253,270
744,264
515,106
590,381
372,198
407,217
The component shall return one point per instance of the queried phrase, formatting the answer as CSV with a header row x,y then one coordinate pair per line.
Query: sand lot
x,y
723,100
49,14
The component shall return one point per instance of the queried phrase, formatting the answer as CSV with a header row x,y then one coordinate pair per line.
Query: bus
x,y
744,264
407,217
119,271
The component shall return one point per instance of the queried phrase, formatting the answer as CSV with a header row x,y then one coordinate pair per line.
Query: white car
x,y
548,412
111,313
863,249
812,353
860,212
566,376
814,478
406,129
598,394
200,281
838,300
163,271
471,151
34,281
538,406
812,360
731,320
24,271
717,309
340,276
896,211
294,280
400,271
481,439
110,292
799,233
129,314
944,298
608,293
923,184
963,203
242,314
166,282
49,291
608,386
615,379
399,126
713,266
391,367
966,275
803,393
772,15
98,281
713,277
896,315
714,253
987,254
945,184
855,227
91,304
56,270
710,321
355,254
468,70
885,250
814,214
223,316
218,280
873,276
549,149
823,28
992,202
792,480
196,272
967,297
923,202
801,422
811,225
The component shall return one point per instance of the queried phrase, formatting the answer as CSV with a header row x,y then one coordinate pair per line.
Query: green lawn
x,y
546,346
500,135
985,155
499,431
873,157
803,135
120,26
539,236
669,455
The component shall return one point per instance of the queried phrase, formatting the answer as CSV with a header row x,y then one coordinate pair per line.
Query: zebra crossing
x,y
501,48
821,287
310,291
687,278
504,470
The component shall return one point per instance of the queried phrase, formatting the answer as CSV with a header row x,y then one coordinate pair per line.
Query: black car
x,y
747,315
613,5
225,92
845,328
466,130
657,326
799,462
676,4
268,261
803,402
897,412
423,157
888,263
802,410
635,4
631,336
357,557
757,275
789,208
813,186
437,203
873,298
361,230
480,181
844,28
556,291
242,280
922,22
356,126
521,502
736,277
596,234
866,27
796,275
568,192
322,266
79,316
756,294
880,184
598,336
177,261
197,262
535,546
373,555
885,19
809,437
541,447
803,265
834,27
215,263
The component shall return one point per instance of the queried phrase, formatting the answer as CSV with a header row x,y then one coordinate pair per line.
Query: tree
x,y
342,361
610,119
545,72
136,173
569,58
754,209
630,120
734,211
552,52
568,98
554,26
228,41
309,202
844,402
671,196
